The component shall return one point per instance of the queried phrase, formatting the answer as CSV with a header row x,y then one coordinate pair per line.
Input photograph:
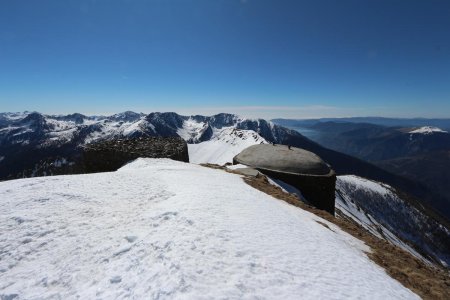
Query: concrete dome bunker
x,y
297,167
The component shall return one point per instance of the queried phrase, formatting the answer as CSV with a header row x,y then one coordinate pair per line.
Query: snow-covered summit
x,y
427,130
160,229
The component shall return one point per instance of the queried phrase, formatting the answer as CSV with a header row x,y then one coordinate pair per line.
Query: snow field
x,y
161,229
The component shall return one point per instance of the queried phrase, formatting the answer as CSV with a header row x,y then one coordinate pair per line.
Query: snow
x,y
369,185
191,130
95,136
161,229
110,129
133,127
64,131
349,208
223,146
9,128
60,124
237,166
62,162
287,188
64,135
427,130
15,115
23,131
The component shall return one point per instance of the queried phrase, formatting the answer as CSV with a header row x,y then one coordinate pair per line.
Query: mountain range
x,y
34,144
31,143
388,122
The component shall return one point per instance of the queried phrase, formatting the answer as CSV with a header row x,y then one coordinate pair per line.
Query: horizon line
x,y
108,114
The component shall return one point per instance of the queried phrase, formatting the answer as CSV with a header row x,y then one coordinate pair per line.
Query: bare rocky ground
x,y
429,282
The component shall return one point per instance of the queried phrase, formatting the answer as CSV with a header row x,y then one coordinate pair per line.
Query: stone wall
x,y
110,155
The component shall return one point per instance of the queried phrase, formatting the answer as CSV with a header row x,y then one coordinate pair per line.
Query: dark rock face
x,y
165,124
110,155
297,167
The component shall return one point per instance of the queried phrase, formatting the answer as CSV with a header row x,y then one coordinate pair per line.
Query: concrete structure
x,y
111,155
300,168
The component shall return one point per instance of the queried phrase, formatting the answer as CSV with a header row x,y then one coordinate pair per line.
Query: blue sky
x,y
280,58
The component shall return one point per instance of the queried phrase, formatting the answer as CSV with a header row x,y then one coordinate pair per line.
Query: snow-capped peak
x,y
427,130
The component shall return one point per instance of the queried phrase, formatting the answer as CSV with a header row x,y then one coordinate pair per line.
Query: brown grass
x,y
426,281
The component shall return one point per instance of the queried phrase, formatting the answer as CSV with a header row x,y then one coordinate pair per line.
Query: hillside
x,y
431,169
391,216
163,229
375,143
419,154
388,122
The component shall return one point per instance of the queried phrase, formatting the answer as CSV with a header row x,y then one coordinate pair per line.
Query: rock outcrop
x,y
300,168
111,155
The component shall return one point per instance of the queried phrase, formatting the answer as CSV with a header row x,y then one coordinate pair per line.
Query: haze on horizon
x,y
257,58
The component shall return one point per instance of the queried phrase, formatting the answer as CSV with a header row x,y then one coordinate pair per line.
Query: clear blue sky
x,y
256,57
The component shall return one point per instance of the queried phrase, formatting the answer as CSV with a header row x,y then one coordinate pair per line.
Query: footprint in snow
x,y
27,240
131,238
19,220
115,279
122,251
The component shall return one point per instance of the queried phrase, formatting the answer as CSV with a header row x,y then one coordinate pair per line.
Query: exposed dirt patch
x,y
426,281
325,225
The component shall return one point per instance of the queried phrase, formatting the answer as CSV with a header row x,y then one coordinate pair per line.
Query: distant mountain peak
x,y
427,130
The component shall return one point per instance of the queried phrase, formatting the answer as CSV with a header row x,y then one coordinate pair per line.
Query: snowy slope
x,y
224,144
378,208
349,208
192,130
160,229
